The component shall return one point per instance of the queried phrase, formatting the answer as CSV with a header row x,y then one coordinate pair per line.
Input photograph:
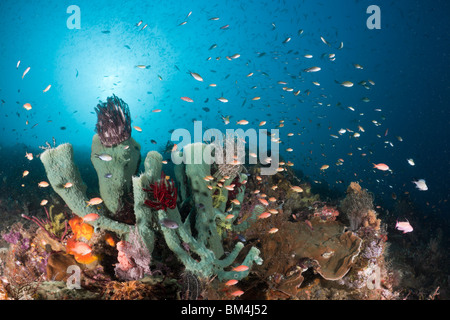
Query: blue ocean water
x,y
404,75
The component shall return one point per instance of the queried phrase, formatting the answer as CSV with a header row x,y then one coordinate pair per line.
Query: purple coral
x,y
113,121
134,258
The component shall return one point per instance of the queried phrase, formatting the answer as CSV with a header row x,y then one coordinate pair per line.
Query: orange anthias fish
x,y
187,99
309,224
264,215
237,293
381,166
240,268
90,217
43,184
78,247
231,282
94,201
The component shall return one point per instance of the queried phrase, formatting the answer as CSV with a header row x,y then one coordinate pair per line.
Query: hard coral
x,y
164,193
113,121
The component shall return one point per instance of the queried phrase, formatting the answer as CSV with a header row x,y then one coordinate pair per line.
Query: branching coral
x,y
113,121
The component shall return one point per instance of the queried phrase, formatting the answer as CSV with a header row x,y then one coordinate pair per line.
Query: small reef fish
x,y
296,189
18,64
264,202
29,155
231,282
47,88
411,162
240,268
25,173
237,293
381,166
324,167
170,224
347,84
324,41
44,202
421,185
80,248
142,66
264,215
94,201
108,175
90,217
103,157
27,106
242,122
273,230
43,184
222,99
139,129
187,99
226,119
236,202
308,223
25,72
196,76
68,185
404,226
312,69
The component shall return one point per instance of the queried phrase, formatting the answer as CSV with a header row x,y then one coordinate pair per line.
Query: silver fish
x,y
168,223
103,157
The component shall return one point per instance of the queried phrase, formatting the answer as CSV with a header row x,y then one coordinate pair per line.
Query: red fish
x,y
308,223
240,268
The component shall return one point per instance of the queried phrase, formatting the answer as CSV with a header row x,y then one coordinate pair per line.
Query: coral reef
x,y
212,232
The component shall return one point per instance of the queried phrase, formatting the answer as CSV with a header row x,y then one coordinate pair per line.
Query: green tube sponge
x,y
115,166
61,168
196,170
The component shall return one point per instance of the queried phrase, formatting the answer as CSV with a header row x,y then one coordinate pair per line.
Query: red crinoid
x,y
164,194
